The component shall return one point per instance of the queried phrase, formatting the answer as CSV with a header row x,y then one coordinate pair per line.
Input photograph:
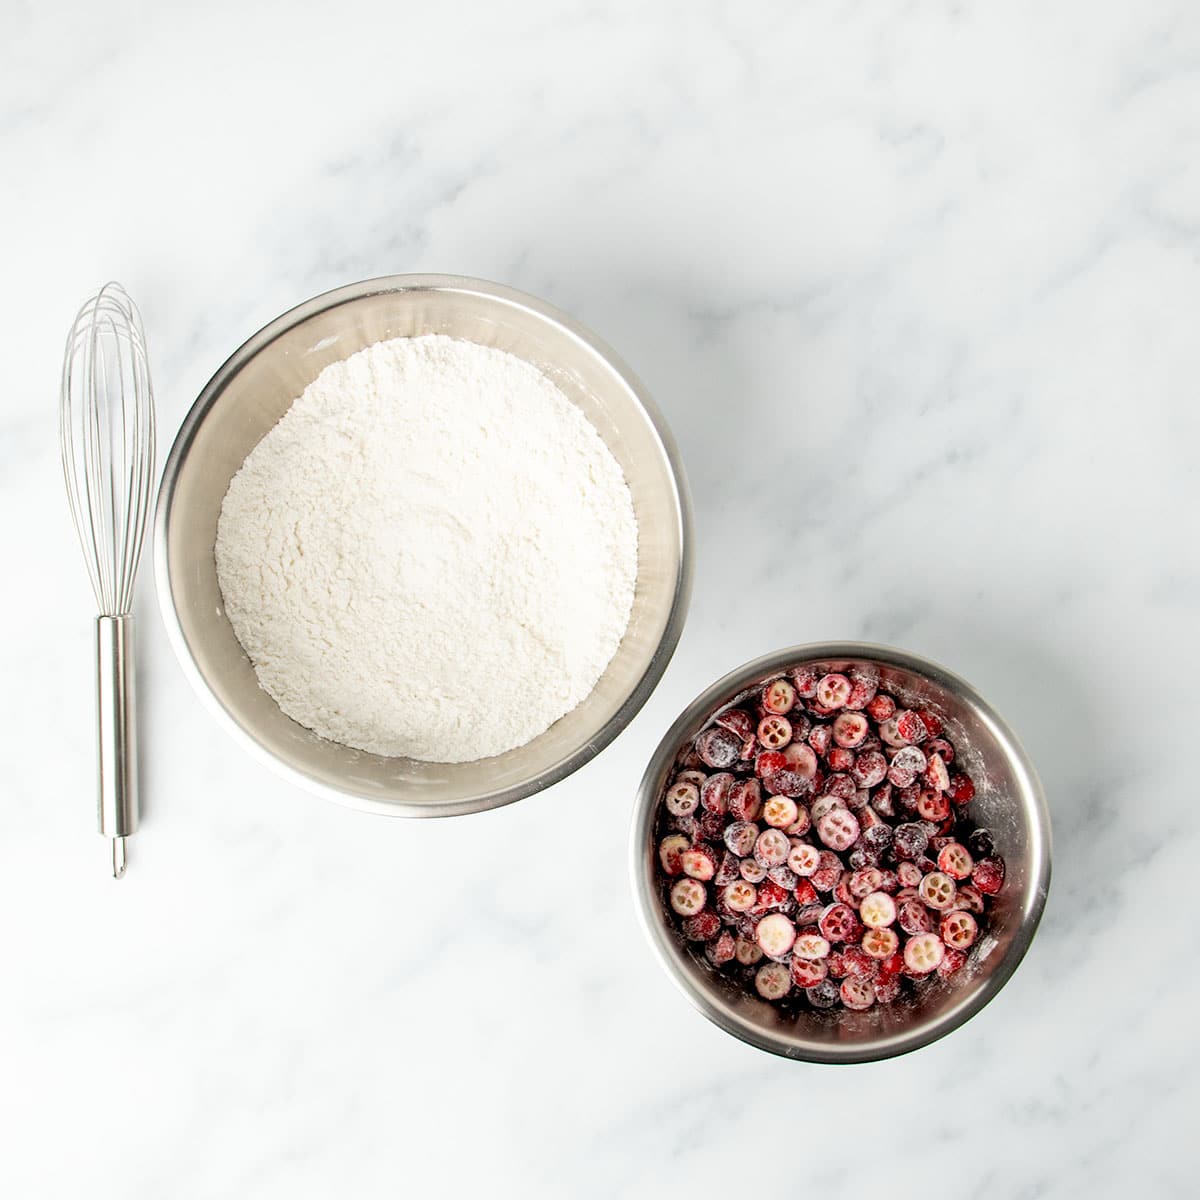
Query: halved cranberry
x,y
779,696
775,935
863,687
801,759
988,875
811,945
738,721
819,738
961,789
752,871
932,805
841,891
936,775
808,972
911,727
953,960
729,870
769,762
740,837
909,874
870,768
923,953
804,893
932,723
787,783
682,799
718,748
803,858
698,862
839,924
857,994
839,758
779,811
833,691
773,981
702,927
841,786
955,861
849,729
878,910
745,800
771,848
970,898
937,890
942,748
959,930
746,951
801,824
880,943
881,707
804,679
882,800
865,881
710,825
740,897
825,995
714,795
688,896
909,840
774,731
838,829
913,917
720,952
669,850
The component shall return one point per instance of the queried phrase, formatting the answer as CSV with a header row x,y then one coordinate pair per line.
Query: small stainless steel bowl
x,y
250,393
1008,801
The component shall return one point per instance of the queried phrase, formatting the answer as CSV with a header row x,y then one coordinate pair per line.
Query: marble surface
x,y
917,287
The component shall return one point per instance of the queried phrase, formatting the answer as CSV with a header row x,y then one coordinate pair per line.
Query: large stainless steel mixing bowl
x,y
250,393
1008,801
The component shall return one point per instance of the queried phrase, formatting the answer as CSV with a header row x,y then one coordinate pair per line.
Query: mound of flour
x,y
432,554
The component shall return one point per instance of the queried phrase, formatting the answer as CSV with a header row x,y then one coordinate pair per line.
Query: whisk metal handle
x,y
118,798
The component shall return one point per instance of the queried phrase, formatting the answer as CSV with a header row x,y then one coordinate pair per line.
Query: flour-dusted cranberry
x,y
779,811
804,680
959,930
840,759
880,942
936,775
808,972
882,800
841,891
900,777
803,858
771,895
910,759
721,950
811,945
849,729
688,896
870,768
857,994
911,727
745,800
923,952
769,762
714,795
669,850
826,994
819,738
942,748
913,917
863,686
909,874
718,748
980,843
773,981
909,840
779,696
876,837
738,721
988,874
931,721
969,898
933,806
771,848
828,872
864,881
887,989
752,871
841,786
740,837
804,893
889,733
710,826
955,861
775,935
838,829
801,825
702,927
699,862
833,690
682,799
746,951
740,896
800,758
878,910
907,797
961,790
952,961
728,871
839,923
774,732
937,890
824,804
880,707
787,783
783,876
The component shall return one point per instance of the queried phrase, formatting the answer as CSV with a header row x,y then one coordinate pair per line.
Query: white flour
x,y
432,554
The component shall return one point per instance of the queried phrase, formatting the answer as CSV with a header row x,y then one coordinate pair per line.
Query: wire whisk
x,y
107,428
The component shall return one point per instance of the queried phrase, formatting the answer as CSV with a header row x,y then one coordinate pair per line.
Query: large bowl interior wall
x,y
1009,802
254,390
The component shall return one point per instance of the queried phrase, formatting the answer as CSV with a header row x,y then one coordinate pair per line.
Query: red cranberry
x,y
774,732
839,758
913,917
714,795
819,738
745,800
688,896
773,981
881,707
870,768
738,721
718,748
833,691
804,679
669,850
988,875
808,972
779,696
961,790
825,877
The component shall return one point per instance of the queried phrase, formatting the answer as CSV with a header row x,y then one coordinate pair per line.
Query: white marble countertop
x,y
917,288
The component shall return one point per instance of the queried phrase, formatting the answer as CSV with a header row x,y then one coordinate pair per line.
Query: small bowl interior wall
x,y
255,396
995,764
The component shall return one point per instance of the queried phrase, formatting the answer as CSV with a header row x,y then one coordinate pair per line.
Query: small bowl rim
x,y
214,388
669,951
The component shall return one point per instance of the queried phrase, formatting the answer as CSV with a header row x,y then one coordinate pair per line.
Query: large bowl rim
x,y
209,395
665,944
